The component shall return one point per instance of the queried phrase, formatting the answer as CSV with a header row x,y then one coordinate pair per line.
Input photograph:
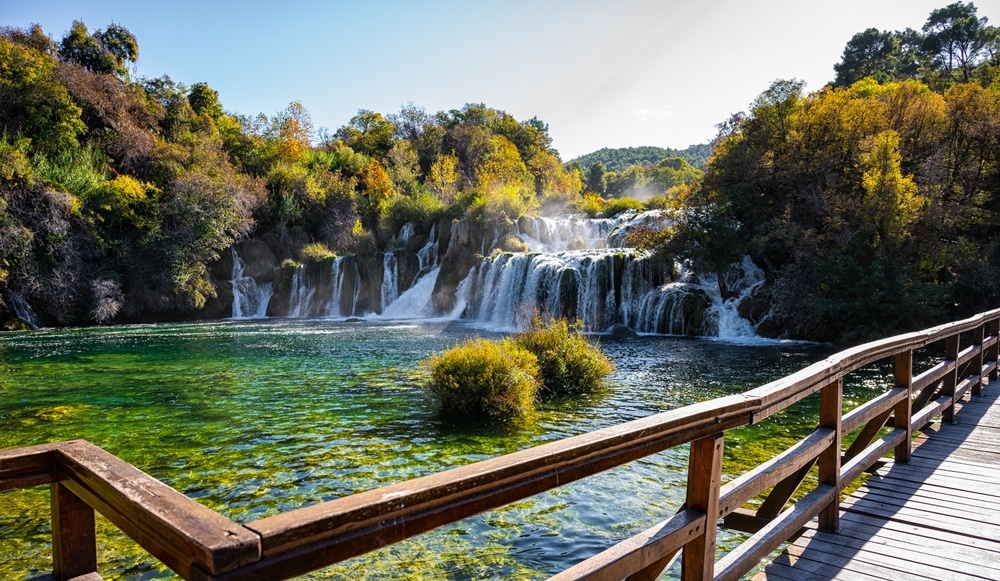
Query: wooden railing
x,y
199,543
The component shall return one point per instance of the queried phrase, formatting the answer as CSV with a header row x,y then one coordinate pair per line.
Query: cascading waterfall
x,y
605,286
561,233
415,303
427,256
390,279
23,310
249,298
594,286
578,268
743,280
300,300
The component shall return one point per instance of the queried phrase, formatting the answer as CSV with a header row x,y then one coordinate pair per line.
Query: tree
x,y
597,180
103,52
883,55
204,100
891,203
368,133
957,39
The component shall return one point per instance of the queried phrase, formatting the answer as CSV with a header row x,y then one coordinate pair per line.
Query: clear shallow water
x,y
253,418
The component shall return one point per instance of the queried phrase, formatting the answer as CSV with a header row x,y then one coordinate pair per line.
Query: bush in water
x,y
501,379
570,364
497,379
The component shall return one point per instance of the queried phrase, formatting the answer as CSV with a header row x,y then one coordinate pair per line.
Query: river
x,y
257,417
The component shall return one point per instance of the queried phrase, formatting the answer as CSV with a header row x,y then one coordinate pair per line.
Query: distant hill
x,y
622,157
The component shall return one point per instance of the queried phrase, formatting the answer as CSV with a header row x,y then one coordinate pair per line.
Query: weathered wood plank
x,y
29,466
74,535
704,480
655,544
919,535
188,537
902,563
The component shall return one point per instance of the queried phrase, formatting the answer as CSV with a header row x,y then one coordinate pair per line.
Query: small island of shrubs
x,y
503,379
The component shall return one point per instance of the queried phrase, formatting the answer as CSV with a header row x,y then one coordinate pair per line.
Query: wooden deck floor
x,y
937,517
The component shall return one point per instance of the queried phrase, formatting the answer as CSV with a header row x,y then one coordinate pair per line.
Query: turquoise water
x,y
253,418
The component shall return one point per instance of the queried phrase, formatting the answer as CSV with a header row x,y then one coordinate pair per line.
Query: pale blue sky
x,y
601,74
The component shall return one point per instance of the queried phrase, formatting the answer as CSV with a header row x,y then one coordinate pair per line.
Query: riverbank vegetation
x,y
871,203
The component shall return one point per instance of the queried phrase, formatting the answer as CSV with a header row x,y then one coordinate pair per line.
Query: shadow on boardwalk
x,y
937,517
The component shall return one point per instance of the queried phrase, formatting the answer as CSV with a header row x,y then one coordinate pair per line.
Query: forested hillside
x,y
619,159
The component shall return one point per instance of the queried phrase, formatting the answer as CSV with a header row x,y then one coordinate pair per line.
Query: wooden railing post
x,y
830,413
951,349
74,535
704,480
978,336
994,350
903,412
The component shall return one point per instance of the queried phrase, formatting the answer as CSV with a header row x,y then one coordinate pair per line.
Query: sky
x,y
619,73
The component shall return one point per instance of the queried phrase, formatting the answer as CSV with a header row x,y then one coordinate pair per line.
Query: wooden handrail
x,y
201,544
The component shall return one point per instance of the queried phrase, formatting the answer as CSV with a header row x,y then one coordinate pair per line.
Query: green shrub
x,y
316,252
420,207
569,363
480,378
591,204
616,206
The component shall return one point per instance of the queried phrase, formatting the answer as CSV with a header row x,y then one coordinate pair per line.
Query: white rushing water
x,y
23,310
249,298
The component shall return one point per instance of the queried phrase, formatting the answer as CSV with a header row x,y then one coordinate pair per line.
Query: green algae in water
x,y
256,418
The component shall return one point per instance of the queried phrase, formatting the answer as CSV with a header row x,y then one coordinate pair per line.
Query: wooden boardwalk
x,y
937,517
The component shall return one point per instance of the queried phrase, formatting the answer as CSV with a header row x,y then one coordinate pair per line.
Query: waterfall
x,y
415,303
742,279
561,233
589,285
300,300
390,279
427,256
23,310
336,287
406,232
604,285
249,299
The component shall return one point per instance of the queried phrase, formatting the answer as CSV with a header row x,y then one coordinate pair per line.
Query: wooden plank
x,y
920,535
29,466
88,577
704,480
903,563
74,535
970,499
920,517
952,549
655,544
795,564
924,505
188,537
743,558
